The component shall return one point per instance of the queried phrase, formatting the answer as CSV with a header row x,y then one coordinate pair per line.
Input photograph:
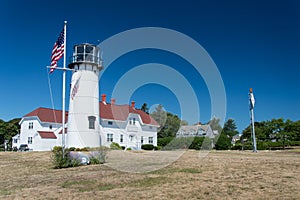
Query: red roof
x,y
107,111
47,134
121,112
48,115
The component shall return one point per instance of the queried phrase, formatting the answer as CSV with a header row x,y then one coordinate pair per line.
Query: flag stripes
x,y
58,51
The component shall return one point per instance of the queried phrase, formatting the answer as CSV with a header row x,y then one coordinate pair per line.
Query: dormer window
x,y
30,126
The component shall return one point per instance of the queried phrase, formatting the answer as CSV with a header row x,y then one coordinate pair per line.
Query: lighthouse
x,y
83,128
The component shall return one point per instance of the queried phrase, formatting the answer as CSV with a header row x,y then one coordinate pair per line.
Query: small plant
x,y
62,159
102,154
72,148
147,146
94,160
115,146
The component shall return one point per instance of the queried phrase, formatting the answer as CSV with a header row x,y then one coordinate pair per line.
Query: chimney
x,y
112,101
132,104
103,98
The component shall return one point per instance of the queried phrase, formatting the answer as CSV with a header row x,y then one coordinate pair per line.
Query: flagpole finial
x,y
251,90
65,22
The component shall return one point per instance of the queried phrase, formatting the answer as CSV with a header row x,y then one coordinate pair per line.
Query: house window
x,y
131,138
92,120
30,125
150,140
110,123
110,137
121,138
130,122
15,141
150,127
133,121
50,126
29,140
142,139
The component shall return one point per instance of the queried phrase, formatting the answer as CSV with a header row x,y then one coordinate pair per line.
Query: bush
x,y
72,149
164,141
223,142
62,159
115,146
95,160
157,148
179,143
197,143
147,146
102,154
295,143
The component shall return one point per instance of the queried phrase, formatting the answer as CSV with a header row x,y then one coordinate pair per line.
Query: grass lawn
x,y
216,175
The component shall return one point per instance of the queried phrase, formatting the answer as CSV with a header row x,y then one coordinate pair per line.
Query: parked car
x,y
23,147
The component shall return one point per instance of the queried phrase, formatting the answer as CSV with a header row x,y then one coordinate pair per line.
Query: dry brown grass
x,y
219,175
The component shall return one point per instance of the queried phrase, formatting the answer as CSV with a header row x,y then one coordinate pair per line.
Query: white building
x,y
89,123
129,127
199,130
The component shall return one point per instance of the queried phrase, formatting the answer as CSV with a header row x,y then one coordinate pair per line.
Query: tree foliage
x,y
9,129
215,124
276,130
230,128
169,123
145,108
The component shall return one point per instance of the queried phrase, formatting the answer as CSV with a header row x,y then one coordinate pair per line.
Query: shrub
x,y
95,160
223,142
147,146
157,148
295,143
115,146
102,154
179,143
62,159
197,143
72,149
164,141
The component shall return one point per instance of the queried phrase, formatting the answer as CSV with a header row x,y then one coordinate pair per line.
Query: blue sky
x,y
253,44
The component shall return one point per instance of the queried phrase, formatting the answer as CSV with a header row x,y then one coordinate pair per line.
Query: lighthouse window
x,y
79,49
89,49
92,120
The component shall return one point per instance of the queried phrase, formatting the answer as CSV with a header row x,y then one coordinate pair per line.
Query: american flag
x,y
58,51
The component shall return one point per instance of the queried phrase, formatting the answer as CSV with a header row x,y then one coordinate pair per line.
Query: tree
x,y
159,115
230,129
223,142
145,108
169,123
215,124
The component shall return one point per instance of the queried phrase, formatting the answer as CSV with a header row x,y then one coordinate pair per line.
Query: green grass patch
x,y
149,182
4,192
174,170
191,170
87,185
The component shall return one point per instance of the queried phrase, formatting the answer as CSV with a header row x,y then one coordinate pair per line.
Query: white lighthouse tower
x,y
83,119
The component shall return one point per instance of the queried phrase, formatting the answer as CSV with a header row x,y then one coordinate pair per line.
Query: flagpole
x,y
64,89
251,100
